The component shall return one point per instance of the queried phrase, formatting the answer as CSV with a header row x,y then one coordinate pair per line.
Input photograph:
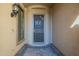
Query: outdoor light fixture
x,y
14,10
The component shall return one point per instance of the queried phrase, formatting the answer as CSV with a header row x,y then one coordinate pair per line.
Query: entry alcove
x,y
43,38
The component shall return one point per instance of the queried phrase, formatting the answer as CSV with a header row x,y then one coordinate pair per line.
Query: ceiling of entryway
x,y
29,4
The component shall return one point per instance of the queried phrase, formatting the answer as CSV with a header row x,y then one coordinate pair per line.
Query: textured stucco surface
x,y
66,39
8,31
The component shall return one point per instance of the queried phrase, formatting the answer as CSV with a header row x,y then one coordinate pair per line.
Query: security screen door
x,y
38,28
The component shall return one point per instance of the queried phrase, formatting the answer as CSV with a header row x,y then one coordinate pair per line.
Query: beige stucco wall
x,y
66,39
8,31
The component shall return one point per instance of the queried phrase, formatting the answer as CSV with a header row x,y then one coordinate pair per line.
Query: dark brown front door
x,y
38,28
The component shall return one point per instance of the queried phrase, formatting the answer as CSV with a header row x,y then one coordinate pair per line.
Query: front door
x,y
38,28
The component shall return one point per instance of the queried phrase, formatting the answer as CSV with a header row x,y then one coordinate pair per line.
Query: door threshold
x,y
38,44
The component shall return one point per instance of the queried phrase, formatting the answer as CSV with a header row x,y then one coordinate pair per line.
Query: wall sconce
x,y
14,10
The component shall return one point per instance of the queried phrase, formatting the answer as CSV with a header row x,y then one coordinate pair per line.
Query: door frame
x,y
40,28
37,43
